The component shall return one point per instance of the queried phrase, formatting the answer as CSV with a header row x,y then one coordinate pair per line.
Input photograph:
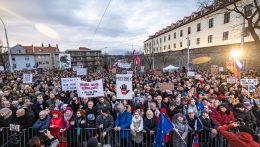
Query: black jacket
x,y
208,124
25,121
150,124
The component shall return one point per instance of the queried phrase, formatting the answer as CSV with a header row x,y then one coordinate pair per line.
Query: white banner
x,y
191,74
232,80
90,89
65,61
74,68
124,65
81,71
248,81
27,78
69,84
129,72
124,86
142,69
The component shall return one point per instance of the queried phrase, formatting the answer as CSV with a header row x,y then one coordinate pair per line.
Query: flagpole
x,y
180,136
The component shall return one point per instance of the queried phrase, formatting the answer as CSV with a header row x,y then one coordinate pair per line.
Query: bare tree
x,y
249,12
164,57
148,58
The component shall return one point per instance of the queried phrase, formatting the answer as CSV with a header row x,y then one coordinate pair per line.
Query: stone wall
x,y
218,54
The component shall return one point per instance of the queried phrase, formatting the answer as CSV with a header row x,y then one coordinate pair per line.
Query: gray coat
x,y
107,122
183,132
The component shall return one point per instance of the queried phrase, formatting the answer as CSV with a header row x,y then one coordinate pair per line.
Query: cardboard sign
x,y
90,89
124,86
69,84
191,74
81,71
248,81
214,69
27,78
232,80
221,69
166,86
142,69
157,72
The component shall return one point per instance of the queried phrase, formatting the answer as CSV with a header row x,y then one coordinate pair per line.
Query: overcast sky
x,y
72,23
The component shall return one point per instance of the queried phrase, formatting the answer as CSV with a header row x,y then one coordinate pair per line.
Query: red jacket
x,y
242,139
222,118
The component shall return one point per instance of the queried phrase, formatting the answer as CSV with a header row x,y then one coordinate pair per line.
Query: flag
x,y
195,142
233,67
164,127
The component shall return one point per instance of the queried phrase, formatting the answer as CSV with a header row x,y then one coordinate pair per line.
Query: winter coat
x,y
123,120
194,124
137,136
107,122
195,109
7,120
91,118
150,124
57,123
222,118
66,123
25,121
183,132
101,106
40,107
42,124
208,125
242,139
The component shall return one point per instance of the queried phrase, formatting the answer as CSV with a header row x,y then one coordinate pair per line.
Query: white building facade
x,y
213,26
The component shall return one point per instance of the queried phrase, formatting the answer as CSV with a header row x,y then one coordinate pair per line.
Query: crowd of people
x,y
197,106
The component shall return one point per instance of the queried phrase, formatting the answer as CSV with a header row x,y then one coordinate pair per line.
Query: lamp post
x,y
235,53
8,48
188,48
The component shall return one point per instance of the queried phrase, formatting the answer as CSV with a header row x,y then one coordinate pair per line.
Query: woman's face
x,y
136,115
180,119
78,114
223,109
192,102
55,115
149,115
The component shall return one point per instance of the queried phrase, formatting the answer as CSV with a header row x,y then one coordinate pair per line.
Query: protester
x,y
180,130
137,129
150,124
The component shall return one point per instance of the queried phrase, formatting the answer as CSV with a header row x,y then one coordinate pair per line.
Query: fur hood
x,y
7,111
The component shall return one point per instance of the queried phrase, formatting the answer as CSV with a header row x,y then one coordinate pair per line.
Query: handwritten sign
x,y
248,81
69,84
27,78
90,89
124,86
166,86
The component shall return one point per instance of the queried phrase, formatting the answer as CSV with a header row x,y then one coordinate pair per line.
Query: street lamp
x,y
8,48
235,53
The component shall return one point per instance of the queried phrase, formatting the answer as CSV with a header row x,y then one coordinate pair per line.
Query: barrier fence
x,y
124,138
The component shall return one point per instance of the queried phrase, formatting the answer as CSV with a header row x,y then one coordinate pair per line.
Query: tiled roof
x,y
40,49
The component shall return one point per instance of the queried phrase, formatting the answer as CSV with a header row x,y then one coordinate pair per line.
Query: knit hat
x,y
7,111
68,109
172,104
247,104
38,94
56,112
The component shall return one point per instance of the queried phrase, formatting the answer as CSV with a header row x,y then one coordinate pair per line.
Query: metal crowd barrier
x,y
79,137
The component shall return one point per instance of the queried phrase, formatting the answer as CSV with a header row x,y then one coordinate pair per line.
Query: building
x,y
210,27
31,57
90,59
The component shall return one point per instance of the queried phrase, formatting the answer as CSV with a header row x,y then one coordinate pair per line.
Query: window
x,y
189,30
210,39
27,58
14,65
181,33
157,41
198,41
225,35
226,17
19,51
13,58
169,46
164,47
169,37
47,62
174,45
153,42
246,32
180,44
164,39
160,40
174,35
160,48
157,49
28,65
198,27
211,21
248,10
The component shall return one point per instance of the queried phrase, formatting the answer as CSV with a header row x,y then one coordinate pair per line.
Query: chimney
x,y
49,45
42,45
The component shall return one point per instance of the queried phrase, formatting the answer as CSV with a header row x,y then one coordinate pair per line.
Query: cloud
x,y
126,23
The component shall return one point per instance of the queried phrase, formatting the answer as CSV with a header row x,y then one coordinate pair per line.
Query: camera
x,y
14,127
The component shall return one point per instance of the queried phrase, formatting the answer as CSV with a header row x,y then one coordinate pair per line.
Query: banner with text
x,y
69,84
27,78
90,89
124,86
81,71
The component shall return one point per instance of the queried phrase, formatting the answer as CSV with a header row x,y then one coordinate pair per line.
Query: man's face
x,y
191,114
101,100
7,104
20,113
90,105
42,116
52,96
159,99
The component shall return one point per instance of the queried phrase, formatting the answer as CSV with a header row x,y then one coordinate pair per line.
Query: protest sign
x,y
221,69
232,80
27,78
129,72
124,65
74,68
157,72
142,69
166,86
248,81
124,86
81,71
214,69
69,84
190,74
90,89
65,61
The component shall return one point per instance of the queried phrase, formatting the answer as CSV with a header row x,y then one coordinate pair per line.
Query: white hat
x,y
190,111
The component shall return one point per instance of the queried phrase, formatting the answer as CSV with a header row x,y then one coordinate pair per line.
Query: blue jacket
x,y
124,121
42,124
